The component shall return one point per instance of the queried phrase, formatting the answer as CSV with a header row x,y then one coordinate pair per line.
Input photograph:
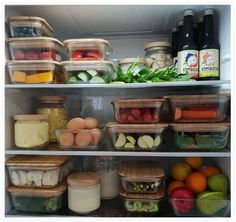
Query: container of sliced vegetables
x,y
201,136
89,71
140,137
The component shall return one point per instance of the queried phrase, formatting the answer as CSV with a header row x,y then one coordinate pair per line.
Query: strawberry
x,y
146,111
19,55
47,55
95,55
155,117
123,117
131,118
147,117
31,55
77,55
136,112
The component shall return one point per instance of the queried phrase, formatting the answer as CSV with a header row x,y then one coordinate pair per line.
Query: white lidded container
x,y
29,26
83,192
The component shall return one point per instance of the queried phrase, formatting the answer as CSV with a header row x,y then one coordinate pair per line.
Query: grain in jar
x,y
54,107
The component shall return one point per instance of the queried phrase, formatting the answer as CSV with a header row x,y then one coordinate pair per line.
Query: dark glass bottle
x,y
174,49
209,49
200,31
188,53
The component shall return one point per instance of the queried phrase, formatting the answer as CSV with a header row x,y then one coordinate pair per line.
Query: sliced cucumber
x,y
131,139
148,140
120,141
157,141
72,79
83,76
129,145
92,72
97,79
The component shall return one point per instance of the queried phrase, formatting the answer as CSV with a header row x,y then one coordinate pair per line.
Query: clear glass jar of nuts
x,y
158,54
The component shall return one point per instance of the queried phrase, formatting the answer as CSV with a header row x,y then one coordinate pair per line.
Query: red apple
x,y
182,199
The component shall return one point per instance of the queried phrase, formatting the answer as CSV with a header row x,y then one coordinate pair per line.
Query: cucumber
x,y
72,79
97,79
83,76
92,72
117,82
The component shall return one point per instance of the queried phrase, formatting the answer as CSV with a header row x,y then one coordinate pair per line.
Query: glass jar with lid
x,y
83,192
158,54
126,63
31,131
55,108
107,168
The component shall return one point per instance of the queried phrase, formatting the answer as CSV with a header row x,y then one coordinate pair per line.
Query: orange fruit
x,y
194,162
174,184
209,170
196,182
180,171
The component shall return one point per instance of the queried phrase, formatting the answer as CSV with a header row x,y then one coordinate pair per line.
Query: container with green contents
x,y
212,136
87,72
37,200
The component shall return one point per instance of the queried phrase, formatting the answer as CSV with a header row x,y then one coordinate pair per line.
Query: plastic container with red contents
x,y
88,49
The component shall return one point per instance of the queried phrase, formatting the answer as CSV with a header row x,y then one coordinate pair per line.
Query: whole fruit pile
x,y
197,186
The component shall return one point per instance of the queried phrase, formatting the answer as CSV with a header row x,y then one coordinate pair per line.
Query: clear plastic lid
x,y
129,103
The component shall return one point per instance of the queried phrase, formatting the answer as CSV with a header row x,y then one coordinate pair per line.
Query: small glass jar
x,y
158,54
126,62
31,131
83,192
54,107
107,168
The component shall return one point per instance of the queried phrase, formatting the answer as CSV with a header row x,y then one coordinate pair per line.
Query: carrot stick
x,y
178,113
191,114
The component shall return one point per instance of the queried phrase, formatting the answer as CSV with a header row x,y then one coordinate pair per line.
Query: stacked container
x,y
142,186
89,61
35,55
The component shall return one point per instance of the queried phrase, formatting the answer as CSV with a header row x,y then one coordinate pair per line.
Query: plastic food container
x,y
83,192
38,171
36,48
37,200
31,131
88,49
127,62
129,137
29,26
89,71
201,136
147,179
158,54
199,108
137,110
142,203
36,72
200,208
84,139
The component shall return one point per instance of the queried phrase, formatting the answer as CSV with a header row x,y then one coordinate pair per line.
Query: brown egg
x,y
83,138
97,135
91,123
75,124
67,138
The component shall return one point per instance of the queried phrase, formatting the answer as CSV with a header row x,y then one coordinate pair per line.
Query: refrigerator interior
x,y
139,25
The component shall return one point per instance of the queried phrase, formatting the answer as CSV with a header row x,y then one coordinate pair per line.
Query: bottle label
x,y
188,62
175,62
209,63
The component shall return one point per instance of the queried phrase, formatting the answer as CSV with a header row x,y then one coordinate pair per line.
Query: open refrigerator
x,y
127,28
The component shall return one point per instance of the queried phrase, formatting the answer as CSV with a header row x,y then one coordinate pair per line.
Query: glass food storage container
x,y
88,49
127,62
158,54
36,48
84,139
107,168
54,107
29,26
147,204
38,171
36,72
38,200
89,71
140,137
31,131
83,192
201,136
138,110
141,176
199,108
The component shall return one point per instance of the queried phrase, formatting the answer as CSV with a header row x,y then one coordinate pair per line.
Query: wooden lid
x,y
152,196
51,98
157,44
83,179
131,60
41,192
36,161
30,117
136,126
141,169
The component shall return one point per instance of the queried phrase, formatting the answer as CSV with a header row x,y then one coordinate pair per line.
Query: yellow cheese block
x,y
19,76
43,77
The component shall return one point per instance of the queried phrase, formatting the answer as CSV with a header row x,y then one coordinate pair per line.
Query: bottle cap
x,y
179,23
174,30
200,19
209,11
188,12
